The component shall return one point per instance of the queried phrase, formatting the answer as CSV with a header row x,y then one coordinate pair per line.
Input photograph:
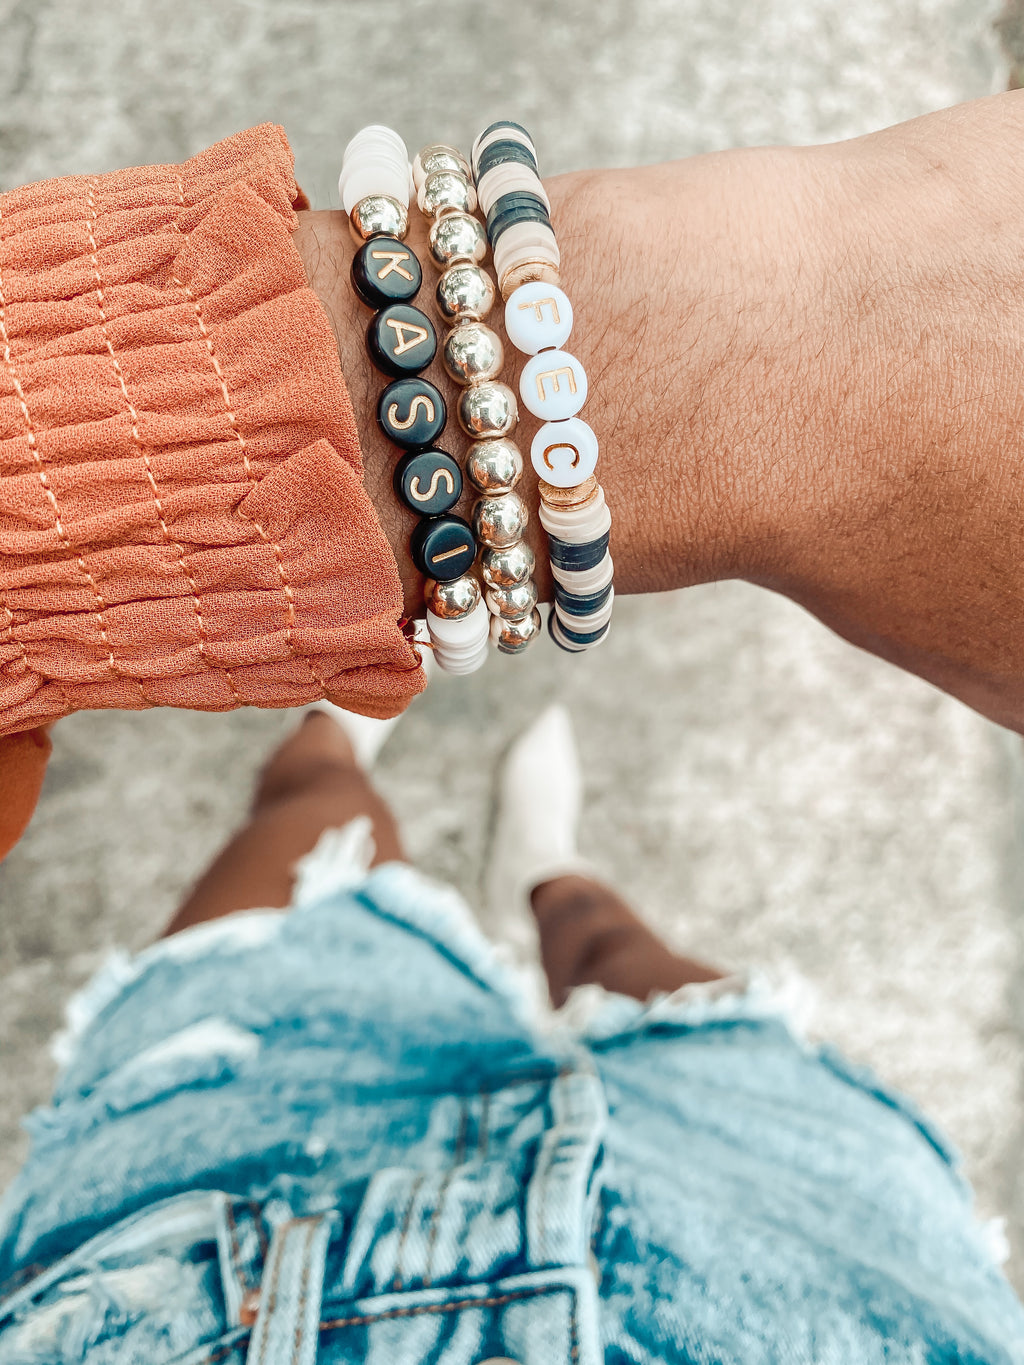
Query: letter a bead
x,y
538,316
553,385
564,453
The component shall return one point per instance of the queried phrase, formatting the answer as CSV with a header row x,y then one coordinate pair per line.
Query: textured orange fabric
x,y
182,516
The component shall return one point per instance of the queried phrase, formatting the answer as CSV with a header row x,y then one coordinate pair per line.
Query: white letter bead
x,y
538,316
563,453
553,385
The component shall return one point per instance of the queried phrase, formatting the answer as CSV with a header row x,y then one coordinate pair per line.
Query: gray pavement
x,y
770,796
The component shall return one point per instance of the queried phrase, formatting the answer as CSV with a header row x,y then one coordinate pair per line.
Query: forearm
x,y
805,371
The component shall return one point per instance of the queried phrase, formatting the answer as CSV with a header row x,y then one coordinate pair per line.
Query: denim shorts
x,y
342,1134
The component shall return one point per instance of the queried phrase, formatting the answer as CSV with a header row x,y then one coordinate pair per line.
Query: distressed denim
x,y
340,1135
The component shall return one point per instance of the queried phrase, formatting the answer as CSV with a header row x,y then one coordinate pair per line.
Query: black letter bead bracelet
x,y
480,577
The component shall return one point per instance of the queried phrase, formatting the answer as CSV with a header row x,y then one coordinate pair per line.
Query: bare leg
x,y
311,783
589,934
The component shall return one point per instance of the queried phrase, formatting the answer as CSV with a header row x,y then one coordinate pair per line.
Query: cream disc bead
x,y
457,237
585,581
446,192
553,385
512,637
494,467
473,352
577,525
524,272
512,603
508,178
564,453
363,181
455,599
538,317
465,291
527,241
499,522
460,667
505,568
461,631
376,216
488,409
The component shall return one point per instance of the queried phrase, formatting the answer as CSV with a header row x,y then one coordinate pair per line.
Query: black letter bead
x,y
385,271
428,482
401,340
411,413
443,547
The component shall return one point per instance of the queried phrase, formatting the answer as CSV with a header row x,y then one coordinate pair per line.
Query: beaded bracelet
x,y
374,186
473,355
553,384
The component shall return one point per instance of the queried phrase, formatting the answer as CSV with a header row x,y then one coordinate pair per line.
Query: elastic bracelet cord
x,y
473,355
553,384
374,186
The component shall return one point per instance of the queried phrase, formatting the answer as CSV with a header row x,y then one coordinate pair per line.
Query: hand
x,y
805,371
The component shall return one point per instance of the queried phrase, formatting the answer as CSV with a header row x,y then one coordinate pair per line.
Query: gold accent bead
x,y
378,215
455,599
512,637
505,568
512,603
568,497
499,522
526,273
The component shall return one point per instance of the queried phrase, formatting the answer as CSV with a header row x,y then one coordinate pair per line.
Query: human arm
x,y
805,372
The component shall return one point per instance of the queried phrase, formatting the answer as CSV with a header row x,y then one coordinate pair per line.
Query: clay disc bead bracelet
x,y
473,355
375,186
553,384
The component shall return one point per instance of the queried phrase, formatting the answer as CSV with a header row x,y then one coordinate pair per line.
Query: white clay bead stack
x,y
472,355
375,163
552,386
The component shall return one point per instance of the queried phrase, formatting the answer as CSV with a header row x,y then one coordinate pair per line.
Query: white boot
x,y
539,800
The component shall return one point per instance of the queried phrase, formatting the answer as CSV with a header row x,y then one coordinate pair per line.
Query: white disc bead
x,y
508,178
503,133
465,631
538,316
553,385
586,581
529,241
375,162
577,525
461,668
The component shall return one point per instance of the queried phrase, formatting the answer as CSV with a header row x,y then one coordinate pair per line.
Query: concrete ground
x,y
768,795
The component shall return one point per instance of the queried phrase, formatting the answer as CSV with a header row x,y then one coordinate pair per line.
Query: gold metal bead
x,y
512,603
457,237
505,568
527,272
446,192
494,467
473,352
488,409
513,637
377,215
465,291
455,599
568,497
500,522
439,156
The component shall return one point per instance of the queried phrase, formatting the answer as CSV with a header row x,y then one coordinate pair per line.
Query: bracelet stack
x,y
374,187
472,354
553,384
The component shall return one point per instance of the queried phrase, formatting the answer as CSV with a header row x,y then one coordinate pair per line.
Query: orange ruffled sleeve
x,y
182,515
